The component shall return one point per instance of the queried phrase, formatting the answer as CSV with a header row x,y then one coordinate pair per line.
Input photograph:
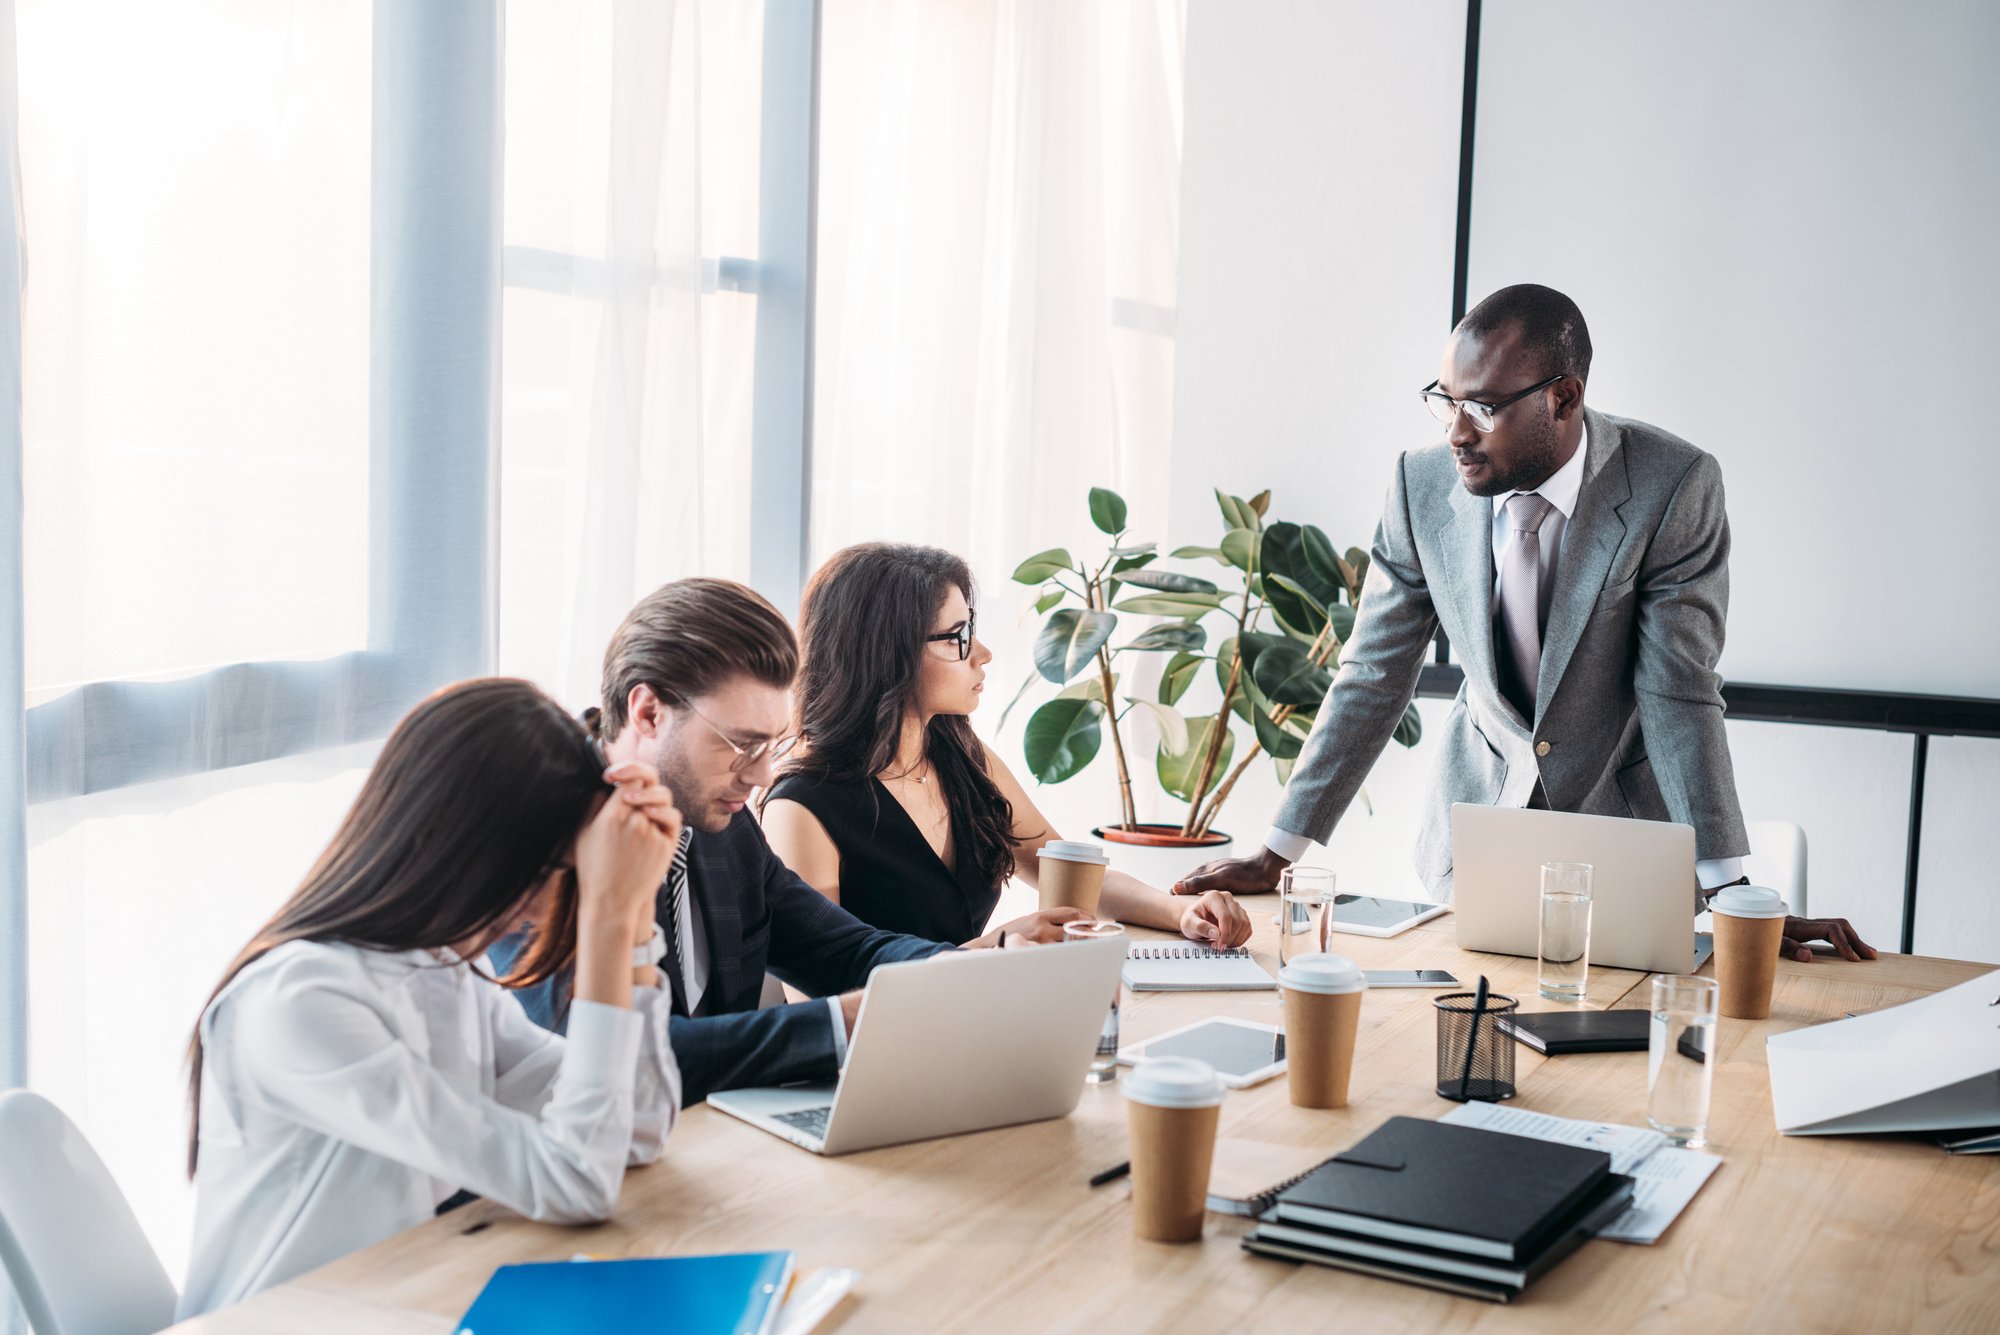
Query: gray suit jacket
x,y
1628,709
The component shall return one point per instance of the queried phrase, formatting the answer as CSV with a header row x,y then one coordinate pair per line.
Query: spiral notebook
x,y
1188,967
1246,1176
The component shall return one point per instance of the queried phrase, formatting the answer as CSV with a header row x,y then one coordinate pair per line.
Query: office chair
x,y
68,1241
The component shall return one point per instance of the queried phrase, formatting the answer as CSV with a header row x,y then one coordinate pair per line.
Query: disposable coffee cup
x,y
1749,923
1072,874
1322,996
1173,1104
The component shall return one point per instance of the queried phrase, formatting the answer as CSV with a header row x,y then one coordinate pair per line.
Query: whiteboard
x,y
1782,222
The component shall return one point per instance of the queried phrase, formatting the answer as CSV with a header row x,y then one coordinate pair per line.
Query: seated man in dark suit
x,y
697,683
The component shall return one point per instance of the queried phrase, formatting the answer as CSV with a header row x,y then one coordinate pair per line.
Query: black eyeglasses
x,y
962,637
1445,408
747,754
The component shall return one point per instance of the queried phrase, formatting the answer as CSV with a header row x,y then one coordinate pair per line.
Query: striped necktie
x,y
676,933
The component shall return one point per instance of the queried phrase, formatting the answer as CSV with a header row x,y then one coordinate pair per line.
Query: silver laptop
x,y
958,1042
1641,884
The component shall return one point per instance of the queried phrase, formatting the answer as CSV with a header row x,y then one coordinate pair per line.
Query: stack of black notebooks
x,y
1472,1212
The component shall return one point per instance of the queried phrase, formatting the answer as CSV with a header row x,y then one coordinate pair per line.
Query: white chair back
x,y
1778,860
68,1241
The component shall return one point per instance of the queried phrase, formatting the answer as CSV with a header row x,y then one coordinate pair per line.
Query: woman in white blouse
x,y
355,1067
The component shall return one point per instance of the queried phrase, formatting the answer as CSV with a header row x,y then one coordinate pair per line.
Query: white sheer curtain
x,y
998,224
631,213
259,444
195,187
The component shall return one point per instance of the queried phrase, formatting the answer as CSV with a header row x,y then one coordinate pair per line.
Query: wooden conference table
x,y
998,1231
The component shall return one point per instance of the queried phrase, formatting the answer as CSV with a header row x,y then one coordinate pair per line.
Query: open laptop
x,y
1641,884
958,1042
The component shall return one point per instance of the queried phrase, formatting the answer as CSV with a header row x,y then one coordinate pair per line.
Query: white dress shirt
x,y
346,1093
1561,490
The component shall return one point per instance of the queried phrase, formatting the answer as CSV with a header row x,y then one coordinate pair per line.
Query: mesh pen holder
x,y
1490,1077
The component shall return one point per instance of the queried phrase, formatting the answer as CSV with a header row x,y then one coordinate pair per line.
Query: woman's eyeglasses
x,y
961,637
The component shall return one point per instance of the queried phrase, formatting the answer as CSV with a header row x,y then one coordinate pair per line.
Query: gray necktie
x,y
1520,616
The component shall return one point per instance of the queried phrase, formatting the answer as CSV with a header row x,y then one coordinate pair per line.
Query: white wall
x,y
1319,189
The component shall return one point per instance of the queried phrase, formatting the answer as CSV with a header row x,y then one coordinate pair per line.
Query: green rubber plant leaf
x,y
1304,556
1322,565
1087,688
1069,640
1135,559
1410,728
1166,581
1189,606
1061,738
1286,676
1178,676
1107,510
1030,680
1181,638
1049,599
1239,548
1044,566
1173,728
1212,553
1179,769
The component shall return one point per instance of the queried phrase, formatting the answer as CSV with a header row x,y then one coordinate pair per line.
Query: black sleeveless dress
x,y
890,877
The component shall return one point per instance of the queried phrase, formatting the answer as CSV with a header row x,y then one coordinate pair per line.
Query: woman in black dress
x,y
894,809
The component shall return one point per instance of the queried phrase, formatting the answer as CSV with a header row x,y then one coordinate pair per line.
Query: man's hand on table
x,y
1242,876
1800,931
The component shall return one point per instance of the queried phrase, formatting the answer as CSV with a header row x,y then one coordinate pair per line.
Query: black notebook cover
x,y
1559,1032
1459,1188
1598,1209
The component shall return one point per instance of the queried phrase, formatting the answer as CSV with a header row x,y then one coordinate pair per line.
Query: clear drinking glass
x,y
1104,1065
1562,964
1300,891
1680,1047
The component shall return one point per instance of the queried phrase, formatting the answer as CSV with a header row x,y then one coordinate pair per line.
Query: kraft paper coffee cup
x,y
1322,996
1072,874
1749,923
1173,1105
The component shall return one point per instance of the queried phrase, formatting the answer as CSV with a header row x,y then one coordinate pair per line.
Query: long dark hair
x,y
474,800
863,623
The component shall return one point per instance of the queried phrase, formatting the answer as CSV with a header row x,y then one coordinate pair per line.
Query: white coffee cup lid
x,y
1749,901
1174,1082
1323,973
1073,850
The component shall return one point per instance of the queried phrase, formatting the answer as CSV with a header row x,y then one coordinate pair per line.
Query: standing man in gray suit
x,y
1581,572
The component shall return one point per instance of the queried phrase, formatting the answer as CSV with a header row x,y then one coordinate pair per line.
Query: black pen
x,y
1112,1174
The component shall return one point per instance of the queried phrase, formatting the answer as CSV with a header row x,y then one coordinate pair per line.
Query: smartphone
x,y
1410,978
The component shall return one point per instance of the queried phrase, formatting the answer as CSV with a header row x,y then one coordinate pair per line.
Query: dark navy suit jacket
x,y
756,916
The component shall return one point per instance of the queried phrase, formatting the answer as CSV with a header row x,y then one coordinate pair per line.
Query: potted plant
x,y
1282,617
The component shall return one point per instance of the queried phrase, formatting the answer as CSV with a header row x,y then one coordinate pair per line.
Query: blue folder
x,y
736,1294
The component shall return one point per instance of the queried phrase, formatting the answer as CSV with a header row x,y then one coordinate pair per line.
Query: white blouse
x,y
346,1093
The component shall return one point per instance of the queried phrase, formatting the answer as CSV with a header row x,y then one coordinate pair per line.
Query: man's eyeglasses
x,y
1445,408
961,637
747,754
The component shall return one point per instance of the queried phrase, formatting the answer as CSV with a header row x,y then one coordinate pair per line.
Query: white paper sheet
x,y
1665,1179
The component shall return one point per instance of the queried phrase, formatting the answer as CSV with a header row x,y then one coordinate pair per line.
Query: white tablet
x,y
1242,1052
1367,915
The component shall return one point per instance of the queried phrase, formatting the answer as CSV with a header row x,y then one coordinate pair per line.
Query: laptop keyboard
x,y
812,1121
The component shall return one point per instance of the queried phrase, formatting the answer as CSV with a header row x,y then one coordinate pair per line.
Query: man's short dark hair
x,y
1550,324
687,638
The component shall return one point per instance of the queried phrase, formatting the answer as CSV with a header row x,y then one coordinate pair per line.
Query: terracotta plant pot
x,y
1158,854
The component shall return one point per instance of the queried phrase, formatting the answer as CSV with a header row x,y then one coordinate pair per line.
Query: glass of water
x,y
1680,1067
1300,891
1104,1064
1562,965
